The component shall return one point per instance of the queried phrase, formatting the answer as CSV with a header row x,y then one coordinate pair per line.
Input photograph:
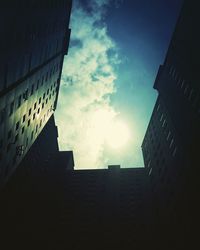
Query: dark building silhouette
x,y
34,39
172,140
31,200
108,206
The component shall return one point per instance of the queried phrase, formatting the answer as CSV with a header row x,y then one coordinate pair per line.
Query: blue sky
x,y
115,50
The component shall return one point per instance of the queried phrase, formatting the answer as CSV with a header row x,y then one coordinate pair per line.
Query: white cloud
x,y
88,80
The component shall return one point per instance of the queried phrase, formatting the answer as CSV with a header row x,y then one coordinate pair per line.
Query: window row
x,y
188,91
50,91
22,129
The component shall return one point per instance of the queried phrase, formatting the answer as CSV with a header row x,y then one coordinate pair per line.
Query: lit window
x,y
150,171
182,84
164,122
168,135
149,163
161,117
171,143
174,151
158,107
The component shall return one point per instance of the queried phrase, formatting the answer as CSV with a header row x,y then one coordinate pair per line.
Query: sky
x,y
106,95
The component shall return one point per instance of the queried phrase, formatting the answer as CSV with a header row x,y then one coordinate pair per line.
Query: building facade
x,y
172,140
34,40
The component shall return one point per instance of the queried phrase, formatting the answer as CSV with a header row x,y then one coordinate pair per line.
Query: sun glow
x,y
113,131
118,134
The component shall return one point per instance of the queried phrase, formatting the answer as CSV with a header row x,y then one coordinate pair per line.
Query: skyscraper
x,y
34,40
172,140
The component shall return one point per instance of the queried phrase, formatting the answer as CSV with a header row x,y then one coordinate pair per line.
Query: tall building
x,y
31,199
172,140
106,207
57,207
34,39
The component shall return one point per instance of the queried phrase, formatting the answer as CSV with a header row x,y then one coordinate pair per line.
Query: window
x,y
46,76
2,115
32,135
19,100
42,105
171,143
40,122
25,95
161,117
29,112
50,97
150,171
174,151
168,135
22,130
43,95
11,108
149,163
39,100
35,105
182,84
42,80
24,118
47,91
47,100
29,121
38,111
34,116
36,129
191,94
164,122
32,89
17,125
37,86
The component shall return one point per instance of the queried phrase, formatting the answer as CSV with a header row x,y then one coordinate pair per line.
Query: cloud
x,y
88,81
